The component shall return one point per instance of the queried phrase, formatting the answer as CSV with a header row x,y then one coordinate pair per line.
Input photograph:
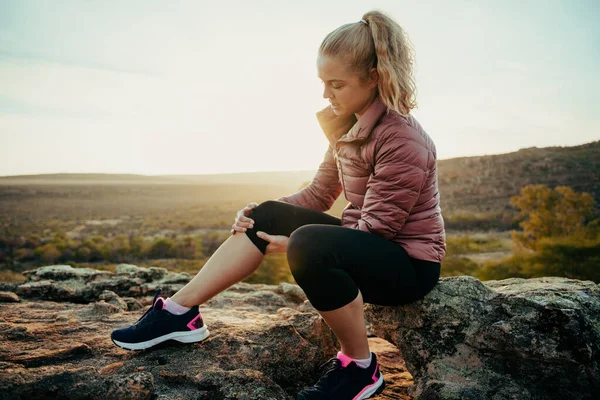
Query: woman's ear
x,y
373,77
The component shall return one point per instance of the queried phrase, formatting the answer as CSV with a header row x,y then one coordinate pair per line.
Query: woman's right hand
x,y
242,222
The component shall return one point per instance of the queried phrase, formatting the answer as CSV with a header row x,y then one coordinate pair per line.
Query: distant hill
x,y
473,184
485,183
275,178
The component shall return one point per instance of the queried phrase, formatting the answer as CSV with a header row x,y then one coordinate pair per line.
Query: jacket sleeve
x,y
324,189
394,186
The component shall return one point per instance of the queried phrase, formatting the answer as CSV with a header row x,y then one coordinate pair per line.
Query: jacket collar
x,y
335,128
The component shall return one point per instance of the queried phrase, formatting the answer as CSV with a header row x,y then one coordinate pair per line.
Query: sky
x,y
197,87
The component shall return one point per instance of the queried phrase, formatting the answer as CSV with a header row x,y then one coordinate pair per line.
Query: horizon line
x,y
266,171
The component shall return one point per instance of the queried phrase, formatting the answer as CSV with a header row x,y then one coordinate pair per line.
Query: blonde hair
x,y
380,44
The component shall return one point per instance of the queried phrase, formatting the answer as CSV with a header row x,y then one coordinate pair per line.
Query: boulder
x,y
9,297
507,339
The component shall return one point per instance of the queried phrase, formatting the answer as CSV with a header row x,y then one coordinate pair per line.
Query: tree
x,y
548,212
561,237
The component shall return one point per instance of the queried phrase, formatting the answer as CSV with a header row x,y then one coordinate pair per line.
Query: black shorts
x,y
332,263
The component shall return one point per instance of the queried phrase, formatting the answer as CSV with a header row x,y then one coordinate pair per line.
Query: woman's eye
x,y
337,87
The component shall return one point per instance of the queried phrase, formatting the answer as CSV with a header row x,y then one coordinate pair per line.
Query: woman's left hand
x,y
277,243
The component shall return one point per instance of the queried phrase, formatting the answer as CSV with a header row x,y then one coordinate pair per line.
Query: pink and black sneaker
x,y
158,325
342,379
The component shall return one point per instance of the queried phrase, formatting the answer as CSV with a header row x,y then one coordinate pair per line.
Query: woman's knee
x,y
266,207
263,213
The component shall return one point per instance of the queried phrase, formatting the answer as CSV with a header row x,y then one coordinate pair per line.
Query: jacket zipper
x,y
339,164
341,173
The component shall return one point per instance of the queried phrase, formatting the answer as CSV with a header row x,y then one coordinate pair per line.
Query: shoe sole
x,y
377,388
196,335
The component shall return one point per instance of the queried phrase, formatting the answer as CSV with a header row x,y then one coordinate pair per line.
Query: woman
x,y
387,247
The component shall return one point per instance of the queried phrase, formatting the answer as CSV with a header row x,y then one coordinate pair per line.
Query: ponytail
x,y
379,43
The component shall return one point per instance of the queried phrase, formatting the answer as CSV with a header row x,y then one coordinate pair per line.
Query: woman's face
x,y
345,91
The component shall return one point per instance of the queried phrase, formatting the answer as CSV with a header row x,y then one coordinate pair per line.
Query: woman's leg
x,y
233,261
236,259
338,268
241,254
348,324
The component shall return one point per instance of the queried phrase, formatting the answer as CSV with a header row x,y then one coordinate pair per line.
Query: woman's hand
x,y
242,222
277,243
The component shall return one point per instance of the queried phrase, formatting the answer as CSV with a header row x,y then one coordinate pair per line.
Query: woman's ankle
x,y
175,308
182,300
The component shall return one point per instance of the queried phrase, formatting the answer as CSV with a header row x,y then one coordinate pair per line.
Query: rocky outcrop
x,y
266,341
509,339
83,285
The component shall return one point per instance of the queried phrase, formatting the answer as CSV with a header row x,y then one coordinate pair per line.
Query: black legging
x,y
331,263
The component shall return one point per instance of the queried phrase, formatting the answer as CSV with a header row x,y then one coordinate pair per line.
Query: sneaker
x,y
348,382
158,325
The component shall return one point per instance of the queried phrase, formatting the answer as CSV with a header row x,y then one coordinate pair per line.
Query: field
x,y
69,220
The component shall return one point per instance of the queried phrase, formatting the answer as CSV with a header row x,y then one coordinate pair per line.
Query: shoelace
x,y
151,306
329,373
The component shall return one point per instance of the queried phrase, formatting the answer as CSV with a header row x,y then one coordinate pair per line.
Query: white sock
x,y
364,363
175,308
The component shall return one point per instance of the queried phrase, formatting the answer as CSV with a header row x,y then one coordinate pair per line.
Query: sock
x,y
175,308
364,363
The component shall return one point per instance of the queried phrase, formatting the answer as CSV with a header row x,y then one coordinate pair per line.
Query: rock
x,y
266,300
9,286
238,384
129,269
291,292
54,347
146,274
43,339
508,339
111,297
135,386
306,306
133,303
100,309
63,273
48,289
85,285
9,297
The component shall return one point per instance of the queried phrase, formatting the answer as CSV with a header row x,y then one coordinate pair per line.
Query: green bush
x,y
568,257
161,248
457,265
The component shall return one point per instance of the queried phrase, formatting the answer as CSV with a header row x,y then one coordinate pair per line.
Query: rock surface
x,y
9,297
508,339
516,338
266,341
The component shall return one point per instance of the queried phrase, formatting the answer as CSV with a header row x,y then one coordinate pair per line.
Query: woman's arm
x,y
324,189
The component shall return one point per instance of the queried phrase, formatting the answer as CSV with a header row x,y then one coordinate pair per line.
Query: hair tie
x,y
364,22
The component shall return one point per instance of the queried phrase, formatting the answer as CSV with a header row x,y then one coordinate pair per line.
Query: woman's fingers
x,y
246,222
242,222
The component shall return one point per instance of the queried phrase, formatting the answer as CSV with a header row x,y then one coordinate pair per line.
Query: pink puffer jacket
x,y
386,165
